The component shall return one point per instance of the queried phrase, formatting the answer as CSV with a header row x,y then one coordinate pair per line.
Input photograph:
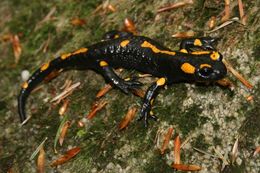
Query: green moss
x,y
190,119
27,18
217,141
169,109
256,52
200,143
234,168
2,105
216,126
36,39
156,164
251,126
230,119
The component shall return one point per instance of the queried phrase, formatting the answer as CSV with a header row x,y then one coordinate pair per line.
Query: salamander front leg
x,y
204,43
149,97
113,78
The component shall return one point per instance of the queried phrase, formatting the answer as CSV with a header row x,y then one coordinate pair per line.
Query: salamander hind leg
x,y
150,95
113,78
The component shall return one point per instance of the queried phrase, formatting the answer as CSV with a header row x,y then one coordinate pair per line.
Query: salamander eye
x,y
205,71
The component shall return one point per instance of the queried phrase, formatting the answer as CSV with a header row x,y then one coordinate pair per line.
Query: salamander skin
x,y
196,61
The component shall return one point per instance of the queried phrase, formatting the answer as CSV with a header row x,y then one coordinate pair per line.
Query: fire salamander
x,y
196,61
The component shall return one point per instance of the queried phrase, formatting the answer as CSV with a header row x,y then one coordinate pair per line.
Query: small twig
x,y
186,141
46,44
204,152
235,19
66,92
66,84
45,19
176,5
38,149
234,151
166,140
26,120
241,12
237,75
221,157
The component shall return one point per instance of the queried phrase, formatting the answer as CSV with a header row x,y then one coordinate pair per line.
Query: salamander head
x,y
204,67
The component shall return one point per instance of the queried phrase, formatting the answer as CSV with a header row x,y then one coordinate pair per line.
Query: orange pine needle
x,y
63,132
250,98
64,107
183,167
257,151
103,91
81,123
241,12
41,161
78,22
111,8
17,49
129,26
227,11
177,150
66,157
166,140
95,108
10,170
212,22
128,118
237,75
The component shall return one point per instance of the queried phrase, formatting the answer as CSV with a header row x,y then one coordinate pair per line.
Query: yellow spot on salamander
x,y
81,50
183,51
124,43
161,81
155,49
200,52
65,56
214,56
116,36
25,85
103,63
197,42
45,66
205,65
188,68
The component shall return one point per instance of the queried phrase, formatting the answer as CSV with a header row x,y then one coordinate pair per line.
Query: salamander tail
x,y
37,77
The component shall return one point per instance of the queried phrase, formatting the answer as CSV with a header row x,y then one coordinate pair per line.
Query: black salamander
x,y
196,61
